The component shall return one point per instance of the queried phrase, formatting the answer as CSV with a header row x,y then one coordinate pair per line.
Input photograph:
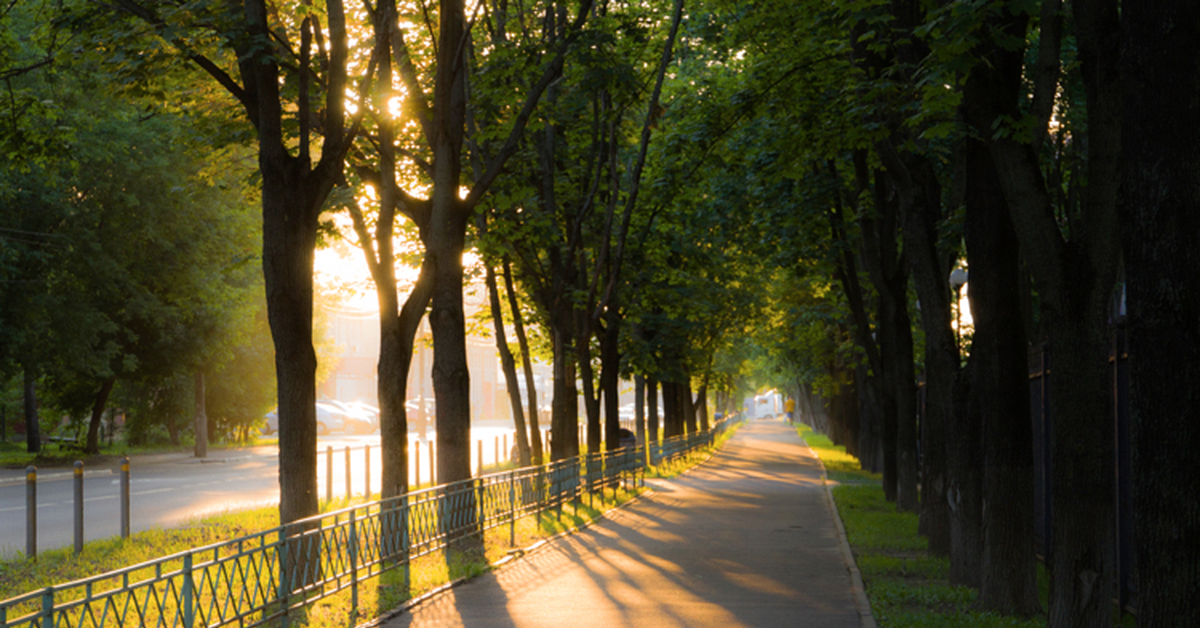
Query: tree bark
x,y
1008,580
101,402
535,431
964,495
1075,276
508,365
1159,212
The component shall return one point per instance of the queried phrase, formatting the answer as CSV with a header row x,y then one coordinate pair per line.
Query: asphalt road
x,y
169,490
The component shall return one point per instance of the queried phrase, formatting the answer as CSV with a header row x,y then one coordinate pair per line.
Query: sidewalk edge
x,y
857,587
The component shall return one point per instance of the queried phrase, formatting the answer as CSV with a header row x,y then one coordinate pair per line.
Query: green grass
x,y
907,587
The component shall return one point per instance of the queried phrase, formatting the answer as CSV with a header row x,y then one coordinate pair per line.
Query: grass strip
x,y
907,586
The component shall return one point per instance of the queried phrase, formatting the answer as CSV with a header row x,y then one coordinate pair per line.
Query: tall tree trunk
x,y
1075,274
527,365
1008,580
508,365
98,405
445,245
964,495
610,381
587,377
33,428
921,207
288,243
702,406
564,413
201,417
1159,210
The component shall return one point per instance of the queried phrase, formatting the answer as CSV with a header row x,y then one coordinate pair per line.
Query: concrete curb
x,y
856,582
52,477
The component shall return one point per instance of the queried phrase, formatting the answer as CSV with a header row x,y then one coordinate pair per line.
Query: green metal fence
x,y
265,576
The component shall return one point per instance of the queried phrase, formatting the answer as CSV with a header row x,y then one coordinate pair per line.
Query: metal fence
x,y
266,576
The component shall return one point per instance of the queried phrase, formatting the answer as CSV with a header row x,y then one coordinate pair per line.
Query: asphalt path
x,y
748,539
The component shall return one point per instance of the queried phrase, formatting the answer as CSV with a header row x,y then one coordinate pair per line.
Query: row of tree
x,y
645,178
1043,147
127,252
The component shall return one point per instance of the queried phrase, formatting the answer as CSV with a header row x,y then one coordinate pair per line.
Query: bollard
x,y
432,466
31,512
125,497
416,447
367,476
479,453
328,473
348,493
78,507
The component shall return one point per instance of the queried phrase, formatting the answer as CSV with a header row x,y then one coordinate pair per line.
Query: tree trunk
x,y
33,428
610,381
101,401
1008,580
702,407
1075,274
1159,211
535,431
564,413
587,377
922,210
288,243
508,365
964,494
201,418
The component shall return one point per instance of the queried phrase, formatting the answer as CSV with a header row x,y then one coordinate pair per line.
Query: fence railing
x,y
265,576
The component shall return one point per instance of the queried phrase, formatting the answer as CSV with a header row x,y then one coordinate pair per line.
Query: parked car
x,y
329,419
356,419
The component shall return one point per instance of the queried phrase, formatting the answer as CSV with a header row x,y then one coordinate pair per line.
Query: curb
x,y
51,477
857,587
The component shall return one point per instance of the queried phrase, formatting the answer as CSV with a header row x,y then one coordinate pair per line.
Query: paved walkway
x,y
748,539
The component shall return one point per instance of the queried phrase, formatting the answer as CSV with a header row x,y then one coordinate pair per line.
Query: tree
x,y
1161,68
1072,252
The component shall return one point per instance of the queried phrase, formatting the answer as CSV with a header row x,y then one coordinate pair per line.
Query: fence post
x,y
432,466
31,512
512,504
348,493
78,507
416,447
285,585
328,473
353,569
125,497
189,619
48,608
